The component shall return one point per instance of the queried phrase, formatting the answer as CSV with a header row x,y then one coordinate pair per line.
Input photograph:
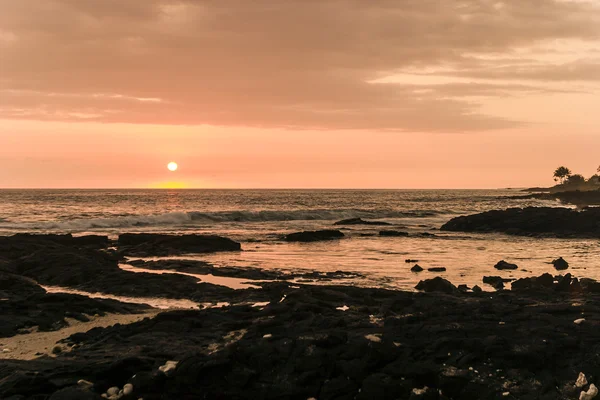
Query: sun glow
x,y
172,166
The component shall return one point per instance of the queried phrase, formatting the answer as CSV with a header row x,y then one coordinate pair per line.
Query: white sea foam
x,y
178,219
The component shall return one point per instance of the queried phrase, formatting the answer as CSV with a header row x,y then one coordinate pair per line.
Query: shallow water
x,y
233,283
155,302
259,219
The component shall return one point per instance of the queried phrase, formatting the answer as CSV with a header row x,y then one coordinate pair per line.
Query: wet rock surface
x,y
560,264
314,236
360,221
204,268
150,244
390,233
503,265
532,221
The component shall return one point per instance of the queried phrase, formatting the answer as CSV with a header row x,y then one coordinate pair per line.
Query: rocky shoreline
x,y
531,221
288,340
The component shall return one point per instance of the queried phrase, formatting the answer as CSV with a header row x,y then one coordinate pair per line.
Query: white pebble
x,y
84,383
581,380
506,394
168,367
420,392
6,350
579,321
128,389
267,336
373,338
590,394
112,391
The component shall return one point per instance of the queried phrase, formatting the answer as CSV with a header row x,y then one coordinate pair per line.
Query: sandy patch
x,y
35,344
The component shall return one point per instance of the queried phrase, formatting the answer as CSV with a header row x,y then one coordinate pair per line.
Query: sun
x,y
172,166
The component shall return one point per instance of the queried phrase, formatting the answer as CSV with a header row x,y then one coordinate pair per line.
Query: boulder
x,y
531,221
502,265
560,264
416,268
314,236
436,284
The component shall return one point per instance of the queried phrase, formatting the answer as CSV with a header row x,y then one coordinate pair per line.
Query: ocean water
x,y
259,218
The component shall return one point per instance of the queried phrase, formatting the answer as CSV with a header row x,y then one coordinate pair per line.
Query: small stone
x,y
416,268
168,367
112,391
56,350
84,383
477,289
579,321
128,389
502,265
373,338
581,380
437,269
506,394
6,350
420,392
268,336
590,394
560,264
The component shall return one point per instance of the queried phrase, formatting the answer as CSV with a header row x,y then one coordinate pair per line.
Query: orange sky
x,y
297,93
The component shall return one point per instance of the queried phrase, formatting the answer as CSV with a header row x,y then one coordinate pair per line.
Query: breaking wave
x,y
207,218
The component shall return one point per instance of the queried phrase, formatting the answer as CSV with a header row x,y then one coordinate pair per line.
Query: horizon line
x,y
259,188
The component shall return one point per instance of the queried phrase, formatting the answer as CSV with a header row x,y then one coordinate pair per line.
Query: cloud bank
x,y
302,64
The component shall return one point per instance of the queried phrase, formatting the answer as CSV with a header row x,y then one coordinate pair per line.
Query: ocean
x,y
259,219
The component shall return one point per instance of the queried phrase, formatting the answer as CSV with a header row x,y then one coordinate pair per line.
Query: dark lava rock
x,y
73,393
25,304
94,241
360,221
409,261
437,269
477,289
393,233
532,221
436,284
560,264
502,265
422,340
545,281
496,282
416,268
314,236
149,244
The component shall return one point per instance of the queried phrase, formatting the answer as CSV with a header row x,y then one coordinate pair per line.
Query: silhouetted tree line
x,y
564,176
